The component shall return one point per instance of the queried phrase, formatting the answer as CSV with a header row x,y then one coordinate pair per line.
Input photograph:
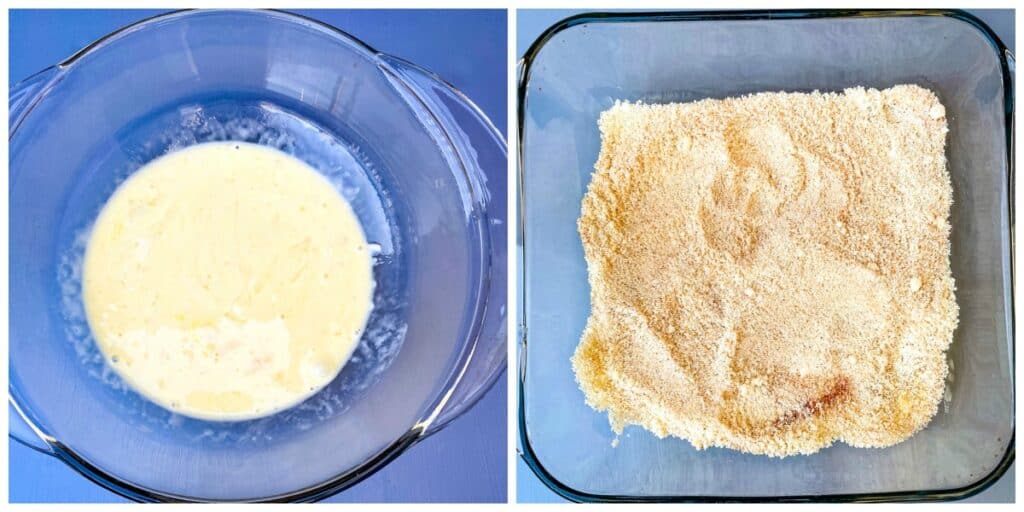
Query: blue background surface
x,y
465,462
530,24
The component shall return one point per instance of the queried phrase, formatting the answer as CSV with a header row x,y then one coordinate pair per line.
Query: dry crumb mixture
x,y
770,273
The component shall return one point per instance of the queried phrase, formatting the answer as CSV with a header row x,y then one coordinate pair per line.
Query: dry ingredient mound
x,y
770,273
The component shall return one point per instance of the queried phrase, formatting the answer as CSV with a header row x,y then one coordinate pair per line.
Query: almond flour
x,y
770,273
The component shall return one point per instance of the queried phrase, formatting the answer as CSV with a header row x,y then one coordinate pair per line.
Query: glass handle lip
x,y
476,147
25,94
21,429
431,88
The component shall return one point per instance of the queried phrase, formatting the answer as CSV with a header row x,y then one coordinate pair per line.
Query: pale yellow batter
x,y
227,281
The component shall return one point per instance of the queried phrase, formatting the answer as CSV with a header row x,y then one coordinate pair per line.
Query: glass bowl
x,y
581,65
422,167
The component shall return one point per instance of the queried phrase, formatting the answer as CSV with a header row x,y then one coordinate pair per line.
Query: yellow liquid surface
x,y
227,281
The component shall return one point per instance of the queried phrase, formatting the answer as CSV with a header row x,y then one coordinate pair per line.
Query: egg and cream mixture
x,y
227,281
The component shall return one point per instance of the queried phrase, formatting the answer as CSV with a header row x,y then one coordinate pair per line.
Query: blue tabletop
x,y
530,24
465,462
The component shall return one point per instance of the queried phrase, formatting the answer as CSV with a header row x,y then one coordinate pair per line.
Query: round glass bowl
x,y
421,166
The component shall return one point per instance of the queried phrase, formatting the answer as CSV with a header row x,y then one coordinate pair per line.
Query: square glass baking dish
x,y
581,65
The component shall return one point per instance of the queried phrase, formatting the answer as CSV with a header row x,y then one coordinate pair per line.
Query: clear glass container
x,y
581,65
423,168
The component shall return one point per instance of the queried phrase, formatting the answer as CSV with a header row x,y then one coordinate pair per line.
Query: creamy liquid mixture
x,y
227,281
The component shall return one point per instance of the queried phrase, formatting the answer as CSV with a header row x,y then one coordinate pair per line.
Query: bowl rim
x,y
432,409
51,75
173,14
525,68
